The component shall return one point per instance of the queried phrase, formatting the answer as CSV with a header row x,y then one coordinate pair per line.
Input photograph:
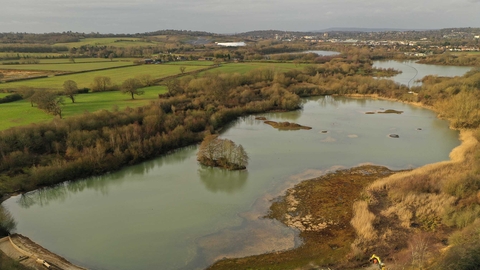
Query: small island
x,y
385,111
223,153
286,125
391,111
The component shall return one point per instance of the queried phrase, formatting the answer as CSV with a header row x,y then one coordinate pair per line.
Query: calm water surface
x,y
412,72
172,213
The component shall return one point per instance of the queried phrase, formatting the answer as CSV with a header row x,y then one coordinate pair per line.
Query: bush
x,y
463,254
11,98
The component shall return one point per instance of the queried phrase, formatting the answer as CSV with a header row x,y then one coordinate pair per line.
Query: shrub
x,y
11,98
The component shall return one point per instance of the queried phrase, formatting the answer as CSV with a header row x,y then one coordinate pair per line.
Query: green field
x,y
79,66
77,60
190,63
114,41
2,95
22,113
243,68
117,75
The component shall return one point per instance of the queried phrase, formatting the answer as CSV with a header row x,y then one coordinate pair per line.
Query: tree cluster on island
x,y
216,152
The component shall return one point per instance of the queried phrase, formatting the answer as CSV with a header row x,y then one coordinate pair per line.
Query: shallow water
x,y
172,213
412,72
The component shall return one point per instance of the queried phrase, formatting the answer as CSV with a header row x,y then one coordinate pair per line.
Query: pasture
x,y
190,63
117,75
22,113
77,60
121,42
67,66
245,67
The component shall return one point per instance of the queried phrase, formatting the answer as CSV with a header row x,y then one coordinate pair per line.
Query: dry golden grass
x,y
362,221
423,207
398,207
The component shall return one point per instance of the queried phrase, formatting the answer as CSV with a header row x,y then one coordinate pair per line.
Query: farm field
x,y
77,60
117,75
190,63
22,113
243,68
113,41
67,66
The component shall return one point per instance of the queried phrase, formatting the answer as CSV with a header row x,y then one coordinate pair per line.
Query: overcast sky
x,y
232,16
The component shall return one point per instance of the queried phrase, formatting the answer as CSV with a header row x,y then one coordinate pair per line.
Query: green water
x,y
172,213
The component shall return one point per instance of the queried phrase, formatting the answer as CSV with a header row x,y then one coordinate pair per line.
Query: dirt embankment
x,y
32,255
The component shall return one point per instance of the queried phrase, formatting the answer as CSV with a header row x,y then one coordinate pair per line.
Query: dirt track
x,y
30,251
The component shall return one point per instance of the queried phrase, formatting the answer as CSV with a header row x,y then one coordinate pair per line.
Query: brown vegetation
x,y
223,153
321,209
286,125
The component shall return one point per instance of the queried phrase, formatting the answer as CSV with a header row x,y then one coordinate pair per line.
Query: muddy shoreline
x,y
321,209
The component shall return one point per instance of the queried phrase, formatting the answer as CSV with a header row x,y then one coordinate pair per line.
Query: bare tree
x,y
101,83
131,86
48,102
145,79
70,89
182,69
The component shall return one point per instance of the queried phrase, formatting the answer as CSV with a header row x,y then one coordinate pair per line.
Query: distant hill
x,y
353,29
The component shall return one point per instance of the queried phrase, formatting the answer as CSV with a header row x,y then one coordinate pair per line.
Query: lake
x,y
172,213
412,71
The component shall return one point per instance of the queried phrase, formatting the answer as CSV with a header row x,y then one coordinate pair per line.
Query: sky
x,y
232,16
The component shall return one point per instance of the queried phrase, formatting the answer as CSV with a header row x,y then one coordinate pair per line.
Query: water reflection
x,y
43,196
102,184
288,116
220,180
326,101
7,223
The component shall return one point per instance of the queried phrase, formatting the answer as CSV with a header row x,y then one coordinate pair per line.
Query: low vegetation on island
x,y
286,125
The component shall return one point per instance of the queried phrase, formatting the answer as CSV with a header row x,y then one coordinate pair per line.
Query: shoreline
x,y
322,234
290,203
335,246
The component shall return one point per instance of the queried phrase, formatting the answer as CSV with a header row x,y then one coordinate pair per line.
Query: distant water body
x,y
323,53
413,72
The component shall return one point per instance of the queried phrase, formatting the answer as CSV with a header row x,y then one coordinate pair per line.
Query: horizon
x,y
330,29
126,17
